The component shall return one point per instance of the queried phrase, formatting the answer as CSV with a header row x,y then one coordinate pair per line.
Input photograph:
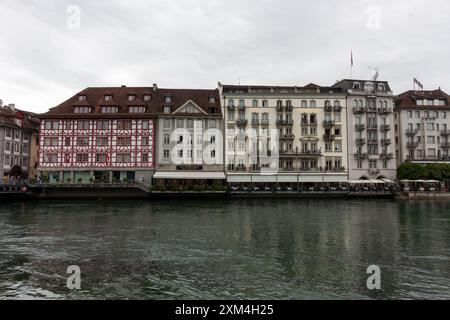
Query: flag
x,y
418,83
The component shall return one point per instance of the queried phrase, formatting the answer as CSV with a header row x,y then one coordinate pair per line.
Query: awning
x,y
190,175
387,181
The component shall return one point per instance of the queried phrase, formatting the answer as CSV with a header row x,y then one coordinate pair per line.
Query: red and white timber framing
x,y
97,144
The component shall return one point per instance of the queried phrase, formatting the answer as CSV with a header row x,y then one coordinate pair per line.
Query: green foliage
x,y
435,171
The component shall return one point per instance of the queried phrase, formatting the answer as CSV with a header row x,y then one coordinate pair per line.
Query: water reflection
x,y
281,249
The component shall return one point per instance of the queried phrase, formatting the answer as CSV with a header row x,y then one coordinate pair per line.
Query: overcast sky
x,y
49,52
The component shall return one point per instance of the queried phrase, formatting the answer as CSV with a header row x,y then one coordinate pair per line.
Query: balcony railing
x,y
386,156
265,122
242,108
385,127
329,137
280,108
287,137
384,110
241,123
445,145
372,126
285,122
289,108
328,108
385,142
337,108
360,156
255,122
412,145
372,141
360,127
412,132
360,141
359,110
445,133
231,107
328,123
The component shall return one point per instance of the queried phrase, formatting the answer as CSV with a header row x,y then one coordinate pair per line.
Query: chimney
x,y
123,86
12,106
1,103
155,87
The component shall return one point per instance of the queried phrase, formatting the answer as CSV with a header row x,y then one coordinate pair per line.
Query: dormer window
x,y
168,99
82,109
212,100
131,97
147,97
108,97
380,87
82,98
110,109
167,109
356,86
136,109
368,86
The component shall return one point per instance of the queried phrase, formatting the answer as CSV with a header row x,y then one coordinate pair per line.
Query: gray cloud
x,y
192,43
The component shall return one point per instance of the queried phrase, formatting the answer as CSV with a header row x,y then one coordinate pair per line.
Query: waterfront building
x,y
189,139
287,135
99,134
422,126
17,128
370,131
111,135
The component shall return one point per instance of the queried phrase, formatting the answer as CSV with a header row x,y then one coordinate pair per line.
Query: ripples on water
x,y
274,249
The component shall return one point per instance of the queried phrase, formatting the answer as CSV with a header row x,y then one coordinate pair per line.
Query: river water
x,y
221,249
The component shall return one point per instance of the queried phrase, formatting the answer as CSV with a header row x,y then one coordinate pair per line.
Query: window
x,y
166,139
110,109
136,109
51,125
312,104
102,141
100,158
82,98
131,97
213,153
108,97
327,147
337,147
51,142
144,157
145,141
409,115
190,123
212,124
167,109
145,124
212,100
168,99
82,157
304,104
213,140
417,114
67,142
265,103
124,141
83,125
124,125
17,134
82,109
337,132
431,139
50,158
8,132
255,103
166,154
147,97
123,158
180,123
68,125
102,125
166,123
83,141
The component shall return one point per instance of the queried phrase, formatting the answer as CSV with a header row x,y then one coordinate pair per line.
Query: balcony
x,y
241,123
337,108
304,123
310,153
328,108
360,156
280,108
360,141
384,111
385,128
289,108
412,145
241,168
445,145
328,123
385,142
360,127
329,137
372,126
386,156
281,123
287,137
255,122
412,132
372,141
242,108
374,171
231,107
445,133
359,110
265,122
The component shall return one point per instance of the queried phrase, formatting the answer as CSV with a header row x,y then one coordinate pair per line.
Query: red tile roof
x,y
8,117
95,98
407,100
